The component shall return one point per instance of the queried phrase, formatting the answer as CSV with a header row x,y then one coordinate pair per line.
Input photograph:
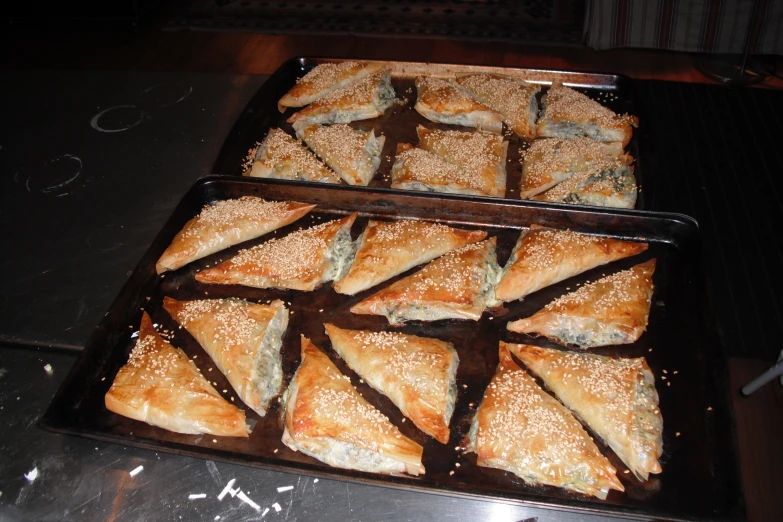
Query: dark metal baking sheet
x,y
700,474
399,122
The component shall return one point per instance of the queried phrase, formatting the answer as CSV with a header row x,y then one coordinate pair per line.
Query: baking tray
x,y
399,122
700,477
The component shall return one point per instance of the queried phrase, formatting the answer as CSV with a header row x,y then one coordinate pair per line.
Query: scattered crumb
x,y
194,496
266,510
136,471
457,464
283,489
677,434
244,498
33,474
103,379
626,471
275,451
315,480
214,440
709,408
456,448
451,472
403,419
277,507
464,385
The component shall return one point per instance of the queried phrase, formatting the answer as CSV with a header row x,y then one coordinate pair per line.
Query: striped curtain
x,y
707,26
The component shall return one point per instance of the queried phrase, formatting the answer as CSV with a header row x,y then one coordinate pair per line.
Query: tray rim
x,y
718,361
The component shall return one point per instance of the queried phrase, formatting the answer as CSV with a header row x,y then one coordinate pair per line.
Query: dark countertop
x,y
82,205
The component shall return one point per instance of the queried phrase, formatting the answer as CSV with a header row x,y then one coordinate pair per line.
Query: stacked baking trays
x,y
699,478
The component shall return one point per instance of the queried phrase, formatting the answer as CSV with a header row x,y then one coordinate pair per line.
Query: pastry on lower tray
x,y
520,428
616,398
458,285
607,183
481,154
353,154
160,386
514,99
302,260
569,114
227,223
418,169
326,418
440,101
387,249
551,161
361,100
323,79
243,339
545,256
612,310
418,374
282,157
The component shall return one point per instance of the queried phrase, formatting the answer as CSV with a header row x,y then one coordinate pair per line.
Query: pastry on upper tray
x,y
387,249
520,428
323,79
458,285
607,183
612,310
480,154
242,338
568,114
545,256
418,374
282,157
361,100
160,386
440,101
227,223
326,418
514,99
302,260
418,169
355,155
553,160
616,398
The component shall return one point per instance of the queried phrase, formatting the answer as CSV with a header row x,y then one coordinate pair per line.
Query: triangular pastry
x,y
520,428
514,99
481,154
458,285
386,249
616,398
553,160
607,183
227,223
568,113
302,260
243,339
418,169
160,386
361,100
612,310
323,79
326,418
353,154
440,101
545,256
282,157
418,374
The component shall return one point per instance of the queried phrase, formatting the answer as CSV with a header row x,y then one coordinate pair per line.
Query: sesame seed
x,y
510,97
288,158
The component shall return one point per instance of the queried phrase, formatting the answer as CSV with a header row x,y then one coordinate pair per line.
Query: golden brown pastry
x,y
326,418
418,374
607,183
514,99
244,340
615,397
418,169
302,260
386,249
282,157
353,154
440,101
545,256
612,310
361,100
521,429
480,154
323,79
160,386
568,114
458,285
227,223
553,160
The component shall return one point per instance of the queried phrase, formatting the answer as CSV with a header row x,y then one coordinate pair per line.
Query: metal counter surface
x,y
92,165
